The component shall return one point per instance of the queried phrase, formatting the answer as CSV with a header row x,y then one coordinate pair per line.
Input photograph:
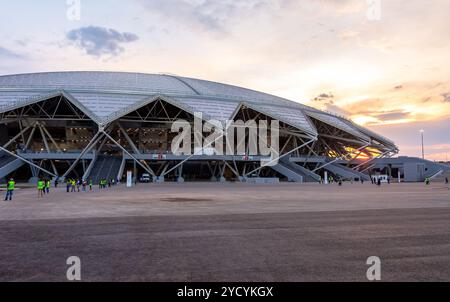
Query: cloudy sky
x,y
383,63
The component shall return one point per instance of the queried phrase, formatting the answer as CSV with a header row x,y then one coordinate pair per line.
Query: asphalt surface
x,y
413,245
193,199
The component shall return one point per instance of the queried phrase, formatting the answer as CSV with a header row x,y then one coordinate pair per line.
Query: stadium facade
x,y
102,124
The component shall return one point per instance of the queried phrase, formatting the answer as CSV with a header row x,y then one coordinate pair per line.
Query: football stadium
x,y
99,125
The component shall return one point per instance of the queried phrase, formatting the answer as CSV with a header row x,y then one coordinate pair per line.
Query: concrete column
x,y
180,178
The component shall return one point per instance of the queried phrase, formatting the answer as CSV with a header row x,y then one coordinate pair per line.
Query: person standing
x,y
446,180
90,184
40,187
10,189
73,185
47,186
45,181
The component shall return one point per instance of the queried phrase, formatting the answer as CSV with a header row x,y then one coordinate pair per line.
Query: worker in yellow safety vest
x,y
47,186
40,187
73,185
10,189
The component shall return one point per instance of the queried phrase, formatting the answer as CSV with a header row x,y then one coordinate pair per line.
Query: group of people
x,y
73,185
43,187
82,185
339,181
330,179
107,183
377,180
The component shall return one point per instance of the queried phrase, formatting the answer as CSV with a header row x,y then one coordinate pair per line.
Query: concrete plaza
x,y
228,232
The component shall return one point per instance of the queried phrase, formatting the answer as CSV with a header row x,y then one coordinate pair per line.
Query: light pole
x,y
423,149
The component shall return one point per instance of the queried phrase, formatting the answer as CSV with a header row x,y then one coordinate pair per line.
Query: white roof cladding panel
x,y
138,83
16,96
36,98
104,105
338,123
238,93
293,117
218,110
223,110
117,81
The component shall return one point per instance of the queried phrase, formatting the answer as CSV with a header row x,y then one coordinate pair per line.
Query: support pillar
x,y
135,176
180,178
222,179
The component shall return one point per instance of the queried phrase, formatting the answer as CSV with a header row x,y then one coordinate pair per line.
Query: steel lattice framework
x,y
119,112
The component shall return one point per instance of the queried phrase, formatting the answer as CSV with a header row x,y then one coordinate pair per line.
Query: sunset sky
x,y
385,64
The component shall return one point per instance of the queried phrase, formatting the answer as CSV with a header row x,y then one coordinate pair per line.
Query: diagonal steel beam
x,y
194,154
370,160
16,137
51,138
47,147
27,161
233,170
30,138
89,146
21,128
166,165
341,157
280,157
149,170
129,140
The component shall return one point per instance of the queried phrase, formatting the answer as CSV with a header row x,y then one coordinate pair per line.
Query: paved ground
x,y
232,232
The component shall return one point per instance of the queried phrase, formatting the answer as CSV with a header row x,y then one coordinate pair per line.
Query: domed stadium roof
x,y
106,96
